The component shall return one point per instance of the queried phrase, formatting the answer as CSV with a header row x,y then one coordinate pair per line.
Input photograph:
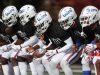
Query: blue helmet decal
x,y
67,12
41,17
91,10
10,12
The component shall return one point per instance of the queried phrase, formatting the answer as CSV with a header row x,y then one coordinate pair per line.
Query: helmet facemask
x,y
42,27
87,20
23,20
66,24
10,21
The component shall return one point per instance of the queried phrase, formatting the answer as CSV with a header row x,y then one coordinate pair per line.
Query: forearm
x,y
14,37
98,45
68,46
32,41
40,44
65,48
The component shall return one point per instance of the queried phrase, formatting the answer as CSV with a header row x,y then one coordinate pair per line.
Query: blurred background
x,y
52,6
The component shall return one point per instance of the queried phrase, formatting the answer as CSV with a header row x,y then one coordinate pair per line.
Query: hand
x,y
75,48
90,47
4,48
50,53
30,49
41,50
16,47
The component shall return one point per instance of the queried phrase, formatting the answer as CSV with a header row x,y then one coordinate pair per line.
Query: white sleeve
x,y
32,41
68,45
40,43
14,37
42,48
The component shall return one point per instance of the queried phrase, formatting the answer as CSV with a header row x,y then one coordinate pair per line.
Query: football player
x,y
67,20
2,42
9,17
59,35
27,32
88,19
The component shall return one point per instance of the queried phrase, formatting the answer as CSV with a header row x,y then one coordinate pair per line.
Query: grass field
x,y
76,70
59,74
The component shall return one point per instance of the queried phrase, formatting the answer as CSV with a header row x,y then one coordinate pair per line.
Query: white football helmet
x,y
88,16
66,17
9,15
26,12
42,21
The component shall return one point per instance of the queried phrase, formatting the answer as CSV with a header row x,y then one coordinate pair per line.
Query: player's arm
x,y
98,45
32,41
67,47
39,49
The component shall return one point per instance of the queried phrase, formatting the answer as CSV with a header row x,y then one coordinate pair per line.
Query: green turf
x,y
29,73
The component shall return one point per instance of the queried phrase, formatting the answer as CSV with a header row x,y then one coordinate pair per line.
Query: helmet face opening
x,y
41,28
9,22
65,25
84,21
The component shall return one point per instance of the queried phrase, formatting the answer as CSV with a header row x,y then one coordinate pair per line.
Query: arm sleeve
x,y
67,47
32,41
40,43
14,37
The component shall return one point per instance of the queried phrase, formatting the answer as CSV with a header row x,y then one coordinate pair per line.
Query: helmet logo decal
x,y
91,10
67,12
10,12
43,16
